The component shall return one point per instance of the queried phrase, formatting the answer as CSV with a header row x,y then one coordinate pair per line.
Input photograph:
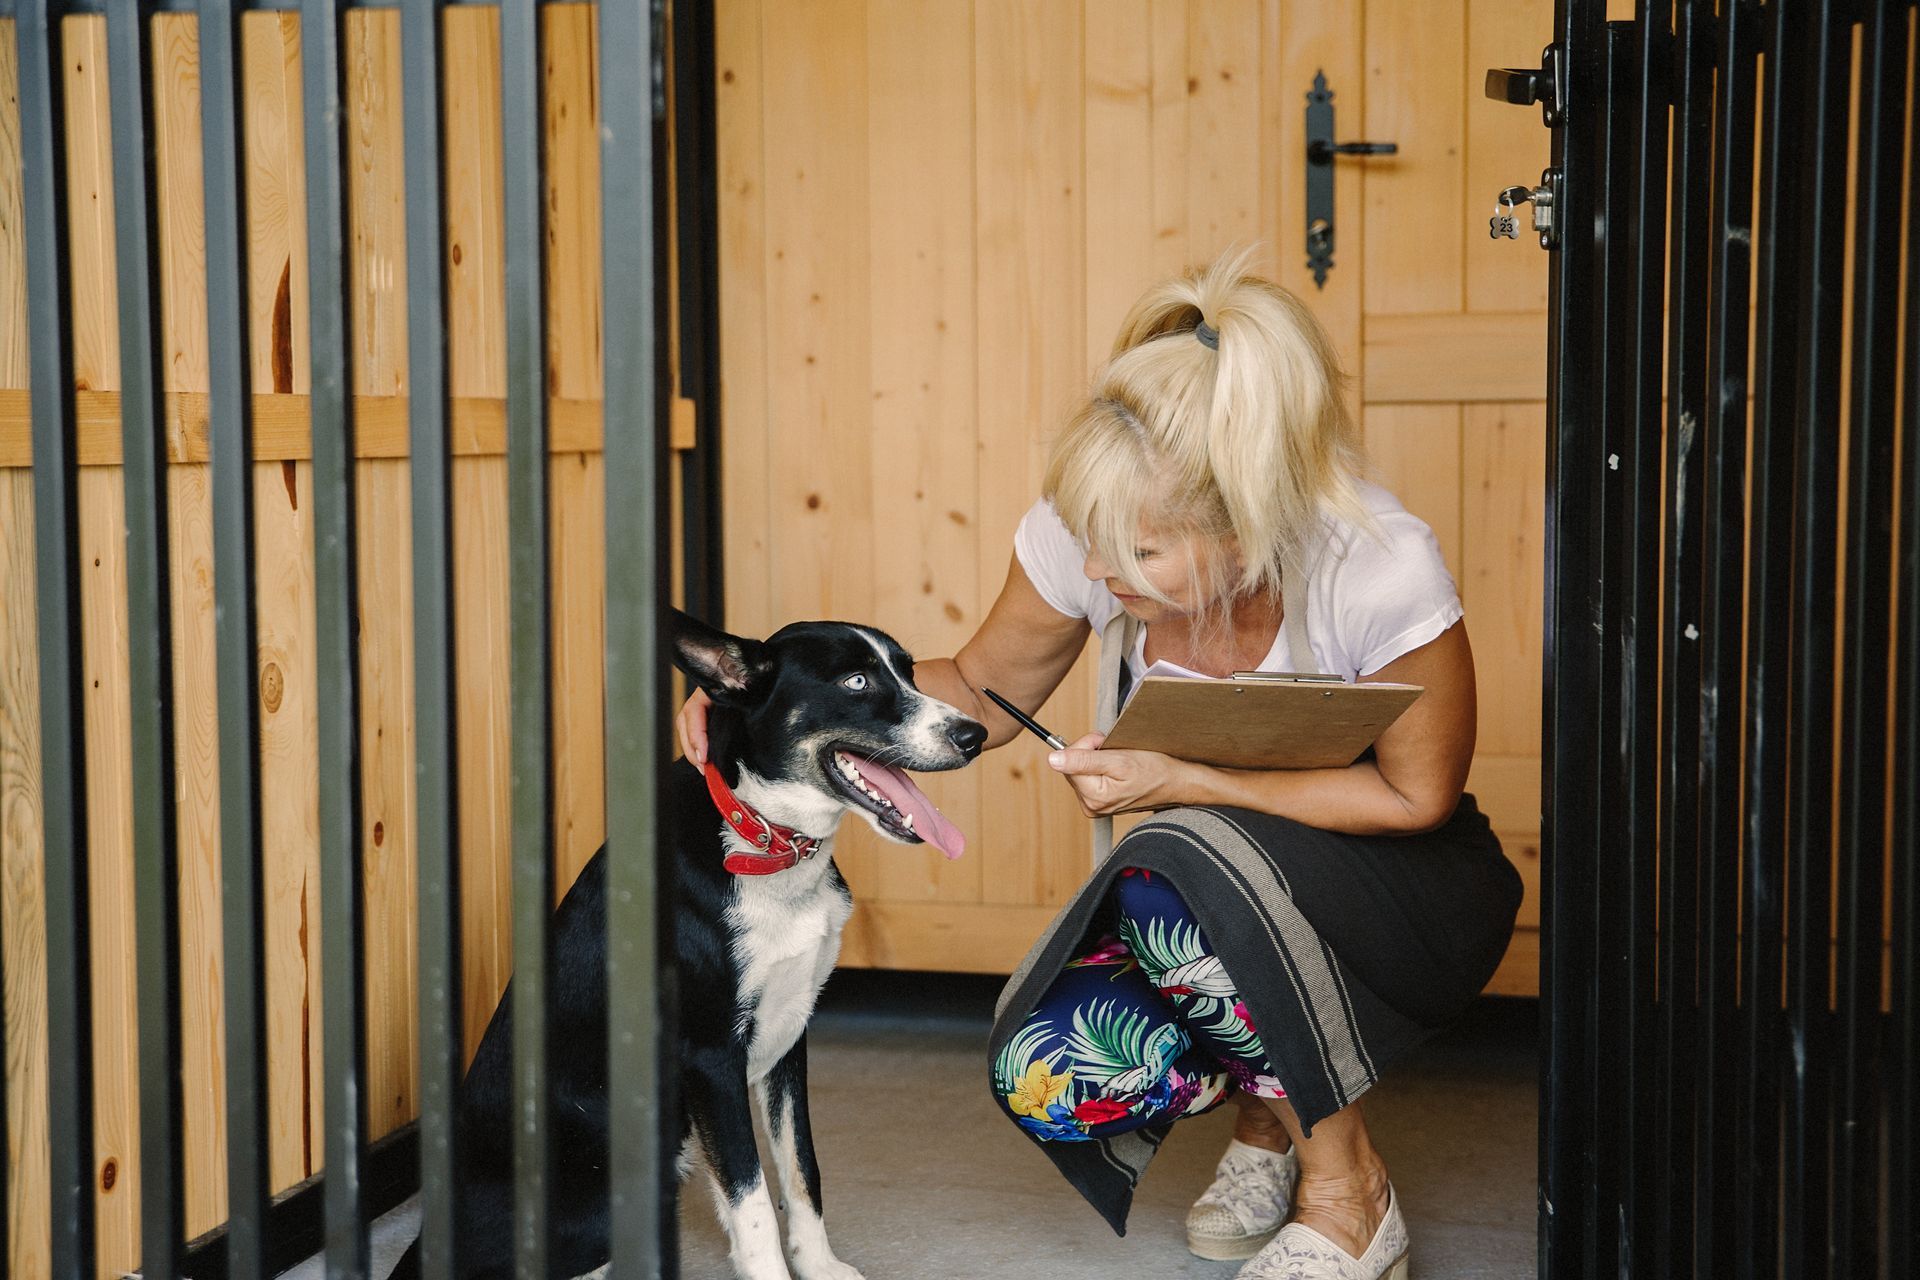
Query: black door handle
x,y
1320,151
1524,86
1520,86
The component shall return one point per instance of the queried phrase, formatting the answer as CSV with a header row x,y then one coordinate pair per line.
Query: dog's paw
x,y
828,1267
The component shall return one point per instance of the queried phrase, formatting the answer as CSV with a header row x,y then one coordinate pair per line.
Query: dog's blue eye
x,y
855,682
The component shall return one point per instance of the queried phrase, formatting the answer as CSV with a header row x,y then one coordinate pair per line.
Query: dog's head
x,y
830,708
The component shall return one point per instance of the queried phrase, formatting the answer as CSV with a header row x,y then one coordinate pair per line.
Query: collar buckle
x,y
774,848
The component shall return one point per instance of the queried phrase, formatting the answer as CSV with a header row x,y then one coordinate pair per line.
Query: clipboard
x,y
1260,719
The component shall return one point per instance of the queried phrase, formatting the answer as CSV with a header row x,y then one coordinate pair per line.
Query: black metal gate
x,y
1732,743
261,1237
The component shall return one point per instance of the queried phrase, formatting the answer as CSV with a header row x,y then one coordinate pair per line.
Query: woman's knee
x,y
1101,1056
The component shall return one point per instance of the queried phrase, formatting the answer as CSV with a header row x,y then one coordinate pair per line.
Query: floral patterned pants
x,y
1146,1026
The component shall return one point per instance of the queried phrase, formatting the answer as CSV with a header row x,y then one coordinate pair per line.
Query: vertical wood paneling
x,y
289,814
481,650
13,244
196,741
1029,241
578,525
108,729
376,235
1416,94
922,459
741,158
1170,87
283,560
1415,451
103,624
182,249
1503,566
23,1004
476,353
818,339
1505,145
573,202
578,484
1224,167
276,203
387,847
23,922
1123,176
180,193
96,328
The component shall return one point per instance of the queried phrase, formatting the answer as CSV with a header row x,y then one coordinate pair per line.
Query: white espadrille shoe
x,y
1251,1195
1301,1253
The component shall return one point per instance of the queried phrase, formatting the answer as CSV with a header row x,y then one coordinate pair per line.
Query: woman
x,y
1273,936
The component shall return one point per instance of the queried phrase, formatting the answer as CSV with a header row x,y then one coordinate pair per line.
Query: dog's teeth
x,y
907,822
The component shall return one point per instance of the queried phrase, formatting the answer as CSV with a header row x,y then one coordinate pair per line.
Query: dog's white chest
x,y
786,930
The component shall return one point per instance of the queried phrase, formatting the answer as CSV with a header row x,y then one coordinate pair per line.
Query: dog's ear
x,y
728,667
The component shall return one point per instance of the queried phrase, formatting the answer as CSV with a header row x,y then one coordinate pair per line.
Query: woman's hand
x,y
1117,781
692,724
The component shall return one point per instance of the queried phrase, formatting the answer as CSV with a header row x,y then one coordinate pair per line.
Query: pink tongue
x,y
928,822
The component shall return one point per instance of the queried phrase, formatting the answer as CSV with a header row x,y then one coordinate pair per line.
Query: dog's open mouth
x,y
891,796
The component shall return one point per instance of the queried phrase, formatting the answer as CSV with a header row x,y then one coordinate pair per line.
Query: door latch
x,y
1523,86
1543,199
1321,150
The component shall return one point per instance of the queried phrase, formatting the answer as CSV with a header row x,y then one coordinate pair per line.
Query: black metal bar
x,y
1864,663
435,657
1722,609
1608,1157
343,990
150,642
1769,566
641,1007
1821,52
1903,1057
1639,642
230,449
63,790
1569,743
697,261
1679,841
522,127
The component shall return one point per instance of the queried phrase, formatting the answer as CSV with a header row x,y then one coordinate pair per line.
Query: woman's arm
x,y
1022,651
1412,784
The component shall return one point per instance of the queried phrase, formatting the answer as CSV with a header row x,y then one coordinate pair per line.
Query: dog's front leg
x,y
722,1116
783,1108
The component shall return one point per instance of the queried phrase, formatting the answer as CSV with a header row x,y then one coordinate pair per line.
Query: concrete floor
x,y
925,1180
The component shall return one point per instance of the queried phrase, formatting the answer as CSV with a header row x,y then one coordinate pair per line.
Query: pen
x,y
1026,721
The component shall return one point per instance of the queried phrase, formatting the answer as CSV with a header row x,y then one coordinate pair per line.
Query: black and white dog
x,y
819,719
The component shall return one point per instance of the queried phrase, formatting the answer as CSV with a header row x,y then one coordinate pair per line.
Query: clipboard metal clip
x,y
1289,677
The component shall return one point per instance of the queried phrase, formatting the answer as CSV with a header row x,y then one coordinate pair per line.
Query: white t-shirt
x,y
1370,598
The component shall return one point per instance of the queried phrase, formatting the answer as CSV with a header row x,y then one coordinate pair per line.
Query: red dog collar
x,y
777,847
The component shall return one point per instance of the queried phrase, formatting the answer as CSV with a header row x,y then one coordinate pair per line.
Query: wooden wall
x,y
933,216
284,567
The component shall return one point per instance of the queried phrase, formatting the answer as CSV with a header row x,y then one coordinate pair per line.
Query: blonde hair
x,y
1248,438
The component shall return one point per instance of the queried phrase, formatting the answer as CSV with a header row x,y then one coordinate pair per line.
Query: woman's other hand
x,y
1110,782
692,724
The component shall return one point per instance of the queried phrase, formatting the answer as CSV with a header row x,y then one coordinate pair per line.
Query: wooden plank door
x,y
1453,365
934,215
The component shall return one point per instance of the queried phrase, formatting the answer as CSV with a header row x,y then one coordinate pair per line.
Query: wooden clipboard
x,y
1260,720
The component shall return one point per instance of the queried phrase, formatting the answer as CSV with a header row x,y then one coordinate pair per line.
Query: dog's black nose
x,y
969,736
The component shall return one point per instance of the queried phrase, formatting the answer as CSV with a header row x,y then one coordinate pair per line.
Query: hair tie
x,y
1208,335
